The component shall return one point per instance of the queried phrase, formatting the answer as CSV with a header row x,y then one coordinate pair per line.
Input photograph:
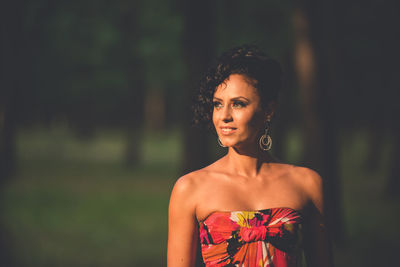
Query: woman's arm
x,y
182,225
318,250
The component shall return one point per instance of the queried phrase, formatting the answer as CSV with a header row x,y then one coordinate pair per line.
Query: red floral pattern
x,y
267,237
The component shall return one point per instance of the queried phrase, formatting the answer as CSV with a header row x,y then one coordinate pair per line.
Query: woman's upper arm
x,y
182,225
318,249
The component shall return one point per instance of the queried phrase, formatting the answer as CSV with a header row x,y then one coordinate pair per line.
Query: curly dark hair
x,y
260,71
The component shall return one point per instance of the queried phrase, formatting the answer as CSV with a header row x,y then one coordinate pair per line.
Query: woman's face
x,y
238,116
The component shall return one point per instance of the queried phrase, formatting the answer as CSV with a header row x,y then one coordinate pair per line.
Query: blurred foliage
x,y
86,54
90,60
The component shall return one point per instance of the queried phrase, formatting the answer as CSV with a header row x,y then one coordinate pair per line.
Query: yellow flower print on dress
x,y
242,217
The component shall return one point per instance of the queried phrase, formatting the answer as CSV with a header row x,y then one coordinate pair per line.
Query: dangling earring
x,y
220,143
265,139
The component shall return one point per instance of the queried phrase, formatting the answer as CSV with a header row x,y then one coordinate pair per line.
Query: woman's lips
x,y
227,130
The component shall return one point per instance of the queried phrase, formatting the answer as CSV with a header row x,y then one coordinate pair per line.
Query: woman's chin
x,y
229,143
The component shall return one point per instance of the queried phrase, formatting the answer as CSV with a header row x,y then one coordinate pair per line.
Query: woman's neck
x,y
247,163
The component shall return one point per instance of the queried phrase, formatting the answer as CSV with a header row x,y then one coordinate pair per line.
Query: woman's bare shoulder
x,y
304,175
183,193
186,183
309,178
190,188
311,183
196,178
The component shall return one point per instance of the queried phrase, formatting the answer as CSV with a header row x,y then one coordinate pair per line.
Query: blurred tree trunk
x,y
155,110
199,50
315,67
284,115
133,67
11,43
11,62
11,31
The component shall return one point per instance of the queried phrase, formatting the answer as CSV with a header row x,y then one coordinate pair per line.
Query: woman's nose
x,y
227,115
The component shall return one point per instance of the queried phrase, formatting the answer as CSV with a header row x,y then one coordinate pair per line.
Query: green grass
x,y
74,203
83,222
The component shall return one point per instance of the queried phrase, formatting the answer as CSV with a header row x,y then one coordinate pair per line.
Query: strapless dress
x,y
269,237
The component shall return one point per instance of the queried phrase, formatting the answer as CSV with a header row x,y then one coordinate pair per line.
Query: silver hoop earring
x,y
220,143
266,140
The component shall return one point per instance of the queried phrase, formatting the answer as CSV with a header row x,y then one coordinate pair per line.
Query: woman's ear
x,y
270,110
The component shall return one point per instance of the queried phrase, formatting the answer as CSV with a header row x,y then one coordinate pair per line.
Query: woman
x,y
246,209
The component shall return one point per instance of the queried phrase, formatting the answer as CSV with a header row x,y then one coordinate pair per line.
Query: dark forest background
x,y
95,119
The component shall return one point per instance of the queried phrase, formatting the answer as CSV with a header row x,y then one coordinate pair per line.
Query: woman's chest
x,y
250,196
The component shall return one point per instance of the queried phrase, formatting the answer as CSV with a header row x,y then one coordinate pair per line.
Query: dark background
x,y
95,119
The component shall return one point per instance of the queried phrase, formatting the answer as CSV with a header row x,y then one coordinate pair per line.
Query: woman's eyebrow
x,y
235,98
240,98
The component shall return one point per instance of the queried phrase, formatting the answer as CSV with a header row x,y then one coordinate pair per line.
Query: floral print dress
x,y
269,237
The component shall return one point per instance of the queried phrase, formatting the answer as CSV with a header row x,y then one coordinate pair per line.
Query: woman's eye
x,y
239,104
217,104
